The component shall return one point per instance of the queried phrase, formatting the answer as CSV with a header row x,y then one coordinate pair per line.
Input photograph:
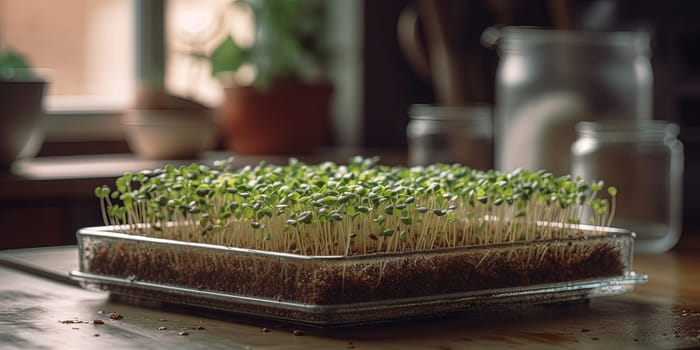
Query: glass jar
x,y
442,134
548,80
644,161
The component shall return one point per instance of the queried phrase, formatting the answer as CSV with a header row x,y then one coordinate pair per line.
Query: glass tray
x,y
336,290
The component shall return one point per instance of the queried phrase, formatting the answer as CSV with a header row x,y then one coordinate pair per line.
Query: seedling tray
x,y
345,290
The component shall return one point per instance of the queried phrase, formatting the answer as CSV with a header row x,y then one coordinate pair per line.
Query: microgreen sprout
x,y
357,208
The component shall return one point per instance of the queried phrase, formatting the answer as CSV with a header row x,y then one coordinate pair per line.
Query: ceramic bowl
x,y
170,133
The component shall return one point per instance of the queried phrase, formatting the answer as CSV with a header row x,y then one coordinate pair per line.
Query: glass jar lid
x,y
621,130
511,39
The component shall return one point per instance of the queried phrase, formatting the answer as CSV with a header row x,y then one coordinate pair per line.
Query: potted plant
x,y
21,95
284,108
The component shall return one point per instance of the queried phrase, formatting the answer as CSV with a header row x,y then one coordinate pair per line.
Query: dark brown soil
x,y
328,282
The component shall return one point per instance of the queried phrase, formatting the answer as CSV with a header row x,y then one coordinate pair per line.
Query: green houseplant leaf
x,y
14,66
227,57
289,42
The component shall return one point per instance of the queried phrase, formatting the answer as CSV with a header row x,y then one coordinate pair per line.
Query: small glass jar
x,y
644,161
442,134
548,80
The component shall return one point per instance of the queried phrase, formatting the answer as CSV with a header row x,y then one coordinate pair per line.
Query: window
x,y
194,28
85,48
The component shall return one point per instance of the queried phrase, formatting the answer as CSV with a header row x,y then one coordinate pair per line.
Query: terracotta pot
x,y
287,118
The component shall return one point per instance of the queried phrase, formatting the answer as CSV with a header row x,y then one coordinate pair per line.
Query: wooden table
x,y
39,308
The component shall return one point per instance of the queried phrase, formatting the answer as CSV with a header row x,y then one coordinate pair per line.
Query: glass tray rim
x,y
631,278
333,315
111,232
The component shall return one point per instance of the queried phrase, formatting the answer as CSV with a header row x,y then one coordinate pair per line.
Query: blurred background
x,y
135,83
